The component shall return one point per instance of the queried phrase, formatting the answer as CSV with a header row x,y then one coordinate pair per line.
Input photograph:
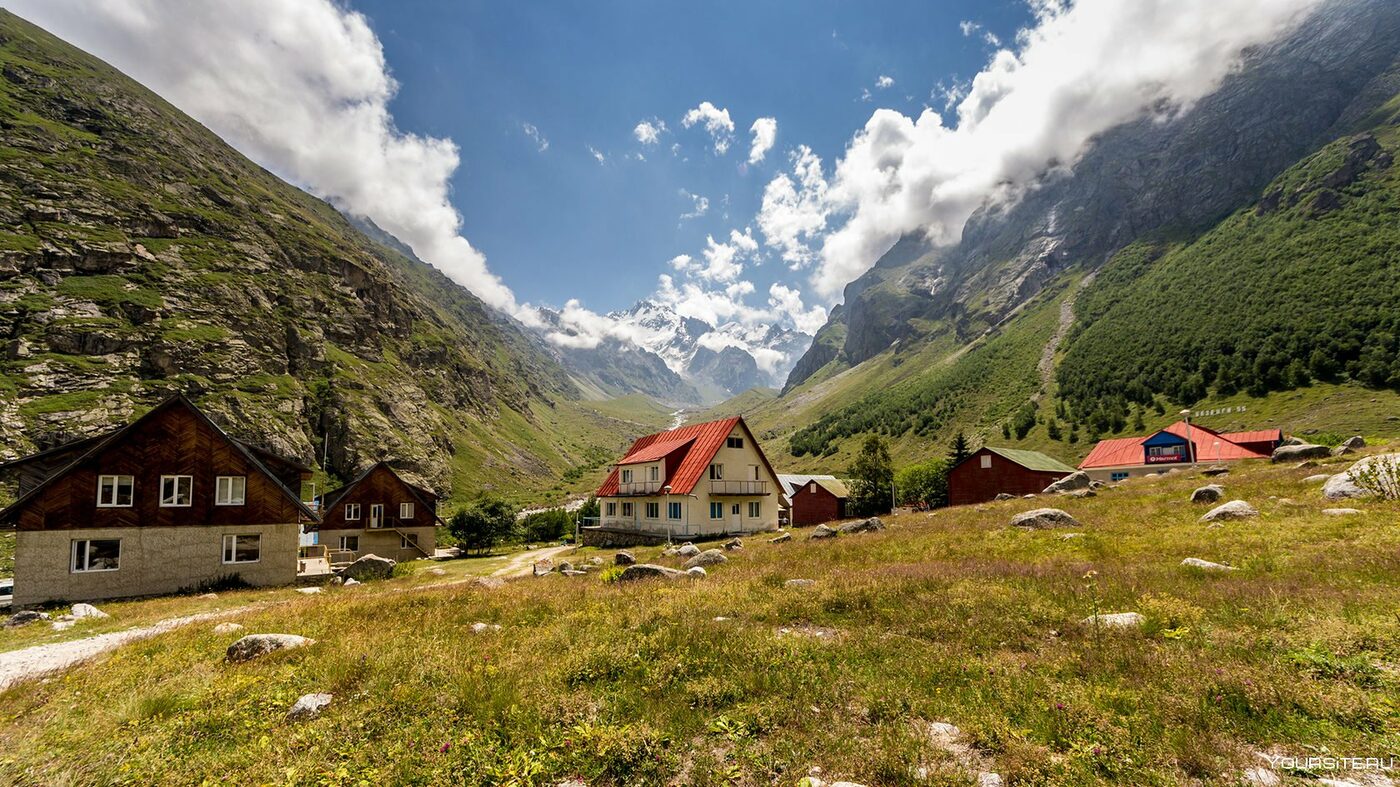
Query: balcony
x,y
748,488
639,488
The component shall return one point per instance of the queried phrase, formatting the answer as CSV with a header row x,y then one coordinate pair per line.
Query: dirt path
x,y
1046,367
519,565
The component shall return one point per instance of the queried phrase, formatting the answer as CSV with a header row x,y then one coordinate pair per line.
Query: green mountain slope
x,y
140,255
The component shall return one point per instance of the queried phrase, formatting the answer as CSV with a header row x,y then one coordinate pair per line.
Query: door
x,y
736,524
376,515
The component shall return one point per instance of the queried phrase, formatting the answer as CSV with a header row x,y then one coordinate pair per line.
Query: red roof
x,y
704,439
657,450
1210,446
1258,436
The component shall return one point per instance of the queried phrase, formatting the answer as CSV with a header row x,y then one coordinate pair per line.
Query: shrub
x,y
1380,476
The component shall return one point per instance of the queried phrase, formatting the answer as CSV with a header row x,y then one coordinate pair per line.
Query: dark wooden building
x,y
815,498
379,513
167,502
993,471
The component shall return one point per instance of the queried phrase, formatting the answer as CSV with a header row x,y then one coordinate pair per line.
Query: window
x,y
612,509
175,490
986,461
734,442
408,541
405,510
734,509
242,549
755,509
655,474
349,543
1119,475
96,554
230,490
813,490
753,472
673,510
717,510
376,515
627,475
627,509
716,472
653,510
114,491
352,512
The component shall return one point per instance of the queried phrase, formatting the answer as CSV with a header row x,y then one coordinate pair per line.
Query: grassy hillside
x,y
737,679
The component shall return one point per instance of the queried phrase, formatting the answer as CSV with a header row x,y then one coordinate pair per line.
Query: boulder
x,y
1316,479
710,557
1290,441
1341,487
799,584
81,611
369,567
1082,493
1294,453
696,572
1381,470
1115,620
565,565
863,526
62,625
1003,496
224,629
1341,511
1076,480
1097,485
308,706
688,550
1235,509
1349,446
1040,518
595,561
309,591
24,617
780,538
1210,493
670,552
1205,565
351,582
647,571
821,531
1215,470
255,645
624,558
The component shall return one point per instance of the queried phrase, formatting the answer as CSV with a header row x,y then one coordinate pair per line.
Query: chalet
x,y
379,513
1180,444
814,498
698,481
166,503
991,471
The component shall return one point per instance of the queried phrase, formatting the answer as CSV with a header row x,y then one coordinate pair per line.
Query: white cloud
x,y
991,38
968,28
884,82
716,122
1082,69
303,89
648,132
765,133
699,205
795,208
597,155
722,261
788,301
535,136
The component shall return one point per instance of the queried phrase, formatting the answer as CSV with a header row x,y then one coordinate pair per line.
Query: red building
x,y
815,498
993,471
1181,443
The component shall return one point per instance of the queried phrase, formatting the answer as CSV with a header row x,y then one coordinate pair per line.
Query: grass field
x,y
736,679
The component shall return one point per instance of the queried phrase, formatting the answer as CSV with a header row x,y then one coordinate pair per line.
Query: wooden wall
x,y
384,486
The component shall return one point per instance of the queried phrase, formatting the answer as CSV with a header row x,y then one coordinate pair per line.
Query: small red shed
x,y
815,498
993,471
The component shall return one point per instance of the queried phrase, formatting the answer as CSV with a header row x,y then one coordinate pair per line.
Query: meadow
x,y
738,678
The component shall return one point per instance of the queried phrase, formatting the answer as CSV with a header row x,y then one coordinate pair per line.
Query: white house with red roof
x,y
699,481
1178,445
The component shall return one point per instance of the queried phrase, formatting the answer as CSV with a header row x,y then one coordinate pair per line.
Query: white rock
x,y
710,557
688,550
1341,511
1235,509
1206,565
309,591
308,706
62,625
351,582
1116,620
697,572
228,628
1042,518
1261,777
1316,479
81,611
799,583
482,628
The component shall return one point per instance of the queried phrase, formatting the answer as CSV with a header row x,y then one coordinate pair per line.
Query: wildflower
x,y
444,747
1059,706
1090,574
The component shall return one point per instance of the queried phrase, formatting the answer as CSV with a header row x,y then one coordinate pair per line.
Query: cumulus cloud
x,y
884,81
788,301
1080,70
795,207
699,206
535,136
301,87
765,133
724,261
648,132
716,122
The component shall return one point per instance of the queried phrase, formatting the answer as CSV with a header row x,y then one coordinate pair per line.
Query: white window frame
x,y
231,548
673,511
612,508
73,562
626,509
716,510
115,482
653,510
734,509
376,515
223,490
352,512
716,472
654,473
188,479
626,475
345,544
986,461
405,510
755,509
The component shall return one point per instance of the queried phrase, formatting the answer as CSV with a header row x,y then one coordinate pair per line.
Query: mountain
x,y
1241,248
140,255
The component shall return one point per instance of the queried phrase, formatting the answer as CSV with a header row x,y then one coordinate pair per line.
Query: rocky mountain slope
x,y
140,255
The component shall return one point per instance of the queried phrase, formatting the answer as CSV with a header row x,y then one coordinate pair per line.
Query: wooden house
x,y
990,471
379,513
815,498
168,502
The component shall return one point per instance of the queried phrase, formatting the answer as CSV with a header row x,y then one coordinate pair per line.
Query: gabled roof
x,y
832,484
705,440
1210,446
657,450
1257,436
102,442
1031,460
425,497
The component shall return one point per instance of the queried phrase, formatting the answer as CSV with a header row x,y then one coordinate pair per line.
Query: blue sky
x,y
554,223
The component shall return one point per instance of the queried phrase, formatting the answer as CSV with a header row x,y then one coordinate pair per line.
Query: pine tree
x,y
1052,429
959,451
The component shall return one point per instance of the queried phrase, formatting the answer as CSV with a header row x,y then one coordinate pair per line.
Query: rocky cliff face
x,y
1139,179
140,255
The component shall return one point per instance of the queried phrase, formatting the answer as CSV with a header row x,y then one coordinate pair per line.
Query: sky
x,y
737,162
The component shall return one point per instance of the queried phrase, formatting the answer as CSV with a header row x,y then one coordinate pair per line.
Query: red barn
x,y
815,498
993,471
